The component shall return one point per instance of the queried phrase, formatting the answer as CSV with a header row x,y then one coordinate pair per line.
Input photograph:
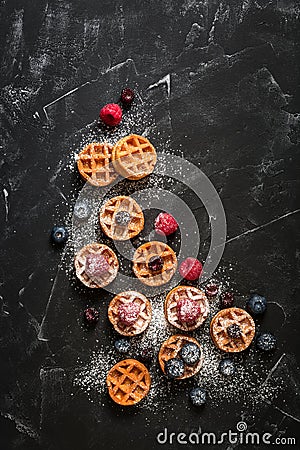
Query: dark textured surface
x,y
226,96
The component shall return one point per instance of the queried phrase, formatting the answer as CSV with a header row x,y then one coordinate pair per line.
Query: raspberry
x,y
165,224
128,313
91,316
111,114
190,269
96,265
127,96
188,311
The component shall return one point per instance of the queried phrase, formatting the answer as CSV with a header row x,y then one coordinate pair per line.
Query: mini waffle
x,y
134,157
109,255
95,165
128,382
171,349
144,316
109,214
225,318
141,259
182,292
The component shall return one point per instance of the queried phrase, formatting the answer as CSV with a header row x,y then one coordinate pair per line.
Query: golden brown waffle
x,y
171,348
143,318
225,318
134,157
183,292
107,253
108,218
95,165
128,382
149,250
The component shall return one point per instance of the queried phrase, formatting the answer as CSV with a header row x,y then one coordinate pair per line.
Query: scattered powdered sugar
x,y
249,384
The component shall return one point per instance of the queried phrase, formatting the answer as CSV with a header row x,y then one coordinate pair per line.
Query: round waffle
x,y
134,157
226,318
109,218
149,250
185,292
128,382
171,349
144,316
110,257
95,165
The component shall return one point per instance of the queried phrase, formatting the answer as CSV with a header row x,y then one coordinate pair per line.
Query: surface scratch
x,y
262,226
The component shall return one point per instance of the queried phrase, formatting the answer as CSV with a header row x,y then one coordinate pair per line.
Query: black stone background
x,y
233,109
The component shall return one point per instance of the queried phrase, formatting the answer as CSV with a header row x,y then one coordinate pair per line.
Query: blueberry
x,y
256,304
174,368
227,367
122,345
91,316
122,218
234,331
82,210
266,342
59,235
198,396
190,353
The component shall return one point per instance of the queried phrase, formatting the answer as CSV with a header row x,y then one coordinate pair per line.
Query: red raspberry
x,y
128,313
165,224
188,311
190,269
111,114
96,265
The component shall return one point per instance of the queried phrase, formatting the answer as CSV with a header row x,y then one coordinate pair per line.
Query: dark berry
x,y
96,265
211,290
227,367
91,316
190,353
127,96
188,310
234,331
256,304
190,269
155,263
227,300
266,342
122,218
145,353
198,396
128,313
59,235
111,114
165,224
174,368
122,345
